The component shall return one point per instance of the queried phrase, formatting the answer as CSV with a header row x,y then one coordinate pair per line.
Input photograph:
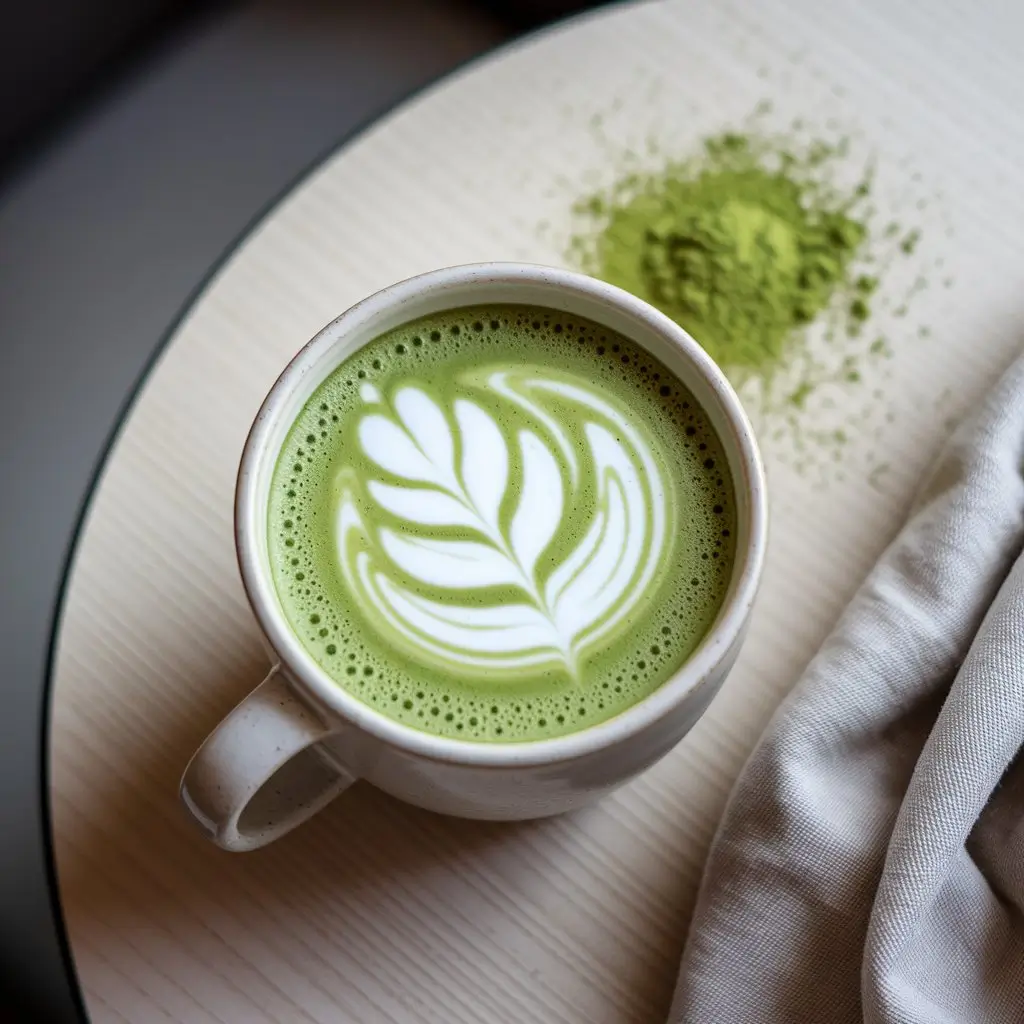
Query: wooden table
x,y
376,911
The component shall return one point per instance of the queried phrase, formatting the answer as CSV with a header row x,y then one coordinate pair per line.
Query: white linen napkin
x,y
870,863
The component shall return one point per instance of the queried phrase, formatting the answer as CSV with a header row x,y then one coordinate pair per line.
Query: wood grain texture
x,y
376,911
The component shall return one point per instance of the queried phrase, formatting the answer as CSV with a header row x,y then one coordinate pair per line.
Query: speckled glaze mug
x,y
300,739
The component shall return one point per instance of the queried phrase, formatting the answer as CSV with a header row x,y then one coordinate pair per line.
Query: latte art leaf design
x,y
512,527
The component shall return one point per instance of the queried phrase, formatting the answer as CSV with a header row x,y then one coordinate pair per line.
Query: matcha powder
x,y
742,246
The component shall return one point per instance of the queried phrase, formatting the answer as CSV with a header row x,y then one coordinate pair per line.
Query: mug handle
x,y
263,770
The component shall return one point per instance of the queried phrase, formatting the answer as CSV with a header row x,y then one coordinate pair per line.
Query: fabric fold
x,y
870,862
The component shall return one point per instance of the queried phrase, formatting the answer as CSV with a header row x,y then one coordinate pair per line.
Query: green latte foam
x,y
501,523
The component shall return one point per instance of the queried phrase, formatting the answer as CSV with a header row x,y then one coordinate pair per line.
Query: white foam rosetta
x,y
443,527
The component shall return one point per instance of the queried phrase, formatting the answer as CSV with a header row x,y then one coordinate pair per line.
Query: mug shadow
x,y
138,854
137,862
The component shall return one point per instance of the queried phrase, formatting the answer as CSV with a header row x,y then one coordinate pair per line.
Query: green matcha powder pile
x,y
743,246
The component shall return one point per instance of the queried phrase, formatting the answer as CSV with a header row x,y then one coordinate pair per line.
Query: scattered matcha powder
x,y
743,246
746,244
909,244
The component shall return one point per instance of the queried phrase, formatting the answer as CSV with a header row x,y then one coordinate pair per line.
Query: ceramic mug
x,y
300,739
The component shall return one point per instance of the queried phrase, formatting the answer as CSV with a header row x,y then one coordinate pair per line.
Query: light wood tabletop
x,y
376,911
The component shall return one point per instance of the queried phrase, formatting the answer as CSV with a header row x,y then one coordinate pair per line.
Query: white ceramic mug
x,y
300,739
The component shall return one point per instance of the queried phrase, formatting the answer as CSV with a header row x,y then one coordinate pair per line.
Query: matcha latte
x,y
501,523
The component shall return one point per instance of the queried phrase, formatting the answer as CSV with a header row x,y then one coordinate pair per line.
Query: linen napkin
x,y
870,862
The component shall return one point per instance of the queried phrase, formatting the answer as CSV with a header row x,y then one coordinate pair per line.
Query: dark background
x,y
139,140
57,56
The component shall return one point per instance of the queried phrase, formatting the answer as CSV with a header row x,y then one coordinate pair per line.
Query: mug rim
x,y
316,683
